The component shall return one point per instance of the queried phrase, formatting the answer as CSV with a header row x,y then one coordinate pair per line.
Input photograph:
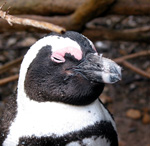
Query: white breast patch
x,y
93,141
48,118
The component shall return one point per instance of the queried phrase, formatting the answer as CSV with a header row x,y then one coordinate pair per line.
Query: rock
x,y
11,41
28,41
106,99
122,143
2,58
146,118
122,52
133,114
132,87
102,46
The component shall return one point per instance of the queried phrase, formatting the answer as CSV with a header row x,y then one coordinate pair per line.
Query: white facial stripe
x,y
57,43
93,141
90,43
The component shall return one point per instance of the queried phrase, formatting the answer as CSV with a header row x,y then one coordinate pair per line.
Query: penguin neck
x,y
27,105
24,102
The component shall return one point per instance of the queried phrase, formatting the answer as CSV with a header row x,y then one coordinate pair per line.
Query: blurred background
x,y
120,30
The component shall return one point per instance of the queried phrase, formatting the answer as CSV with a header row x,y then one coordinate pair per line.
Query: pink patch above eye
x,y
58,55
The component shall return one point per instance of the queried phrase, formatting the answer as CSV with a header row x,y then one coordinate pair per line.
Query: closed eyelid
x,y
57,58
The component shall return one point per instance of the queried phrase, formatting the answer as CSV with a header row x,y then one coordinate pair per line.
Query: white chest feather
x,y
48,118
93,141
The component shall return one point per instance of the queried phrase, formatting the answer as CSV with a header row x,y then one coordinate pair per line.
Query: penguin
x,y
57,99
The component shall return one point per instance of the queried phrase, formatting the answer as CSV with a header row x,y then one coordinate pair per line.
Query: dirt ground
x,y
133,92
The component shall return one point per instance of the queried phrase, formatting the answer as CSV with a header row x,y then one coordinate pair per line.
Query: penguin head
x,y
65,68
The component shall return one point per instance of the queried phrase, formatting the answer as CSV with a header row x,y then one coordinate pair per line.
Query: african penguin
x,y
56,103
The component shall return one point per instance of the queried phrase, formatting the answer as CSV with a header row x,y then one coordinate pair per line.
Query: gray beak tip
x,y
112,71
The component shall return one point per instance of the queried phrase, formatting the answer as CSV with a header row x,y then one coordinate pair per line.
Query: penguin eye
x,y
57,58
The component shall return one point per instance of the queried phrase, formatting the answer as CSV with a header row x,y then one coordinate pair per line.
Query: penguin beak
x,y
99,69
